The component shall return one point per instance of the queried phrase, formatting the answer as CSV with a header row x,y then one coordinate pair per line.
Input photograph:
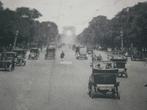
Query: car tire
x,y
92,93
118,96
24,63
126,75
10,68
29,58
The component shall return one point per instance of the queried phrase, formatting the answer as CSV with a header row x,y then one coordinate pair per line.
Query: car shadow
x,y
104,96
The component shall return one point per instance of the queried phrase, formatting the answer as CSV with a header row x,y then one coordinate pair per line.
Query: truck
x,y
82,54
50,52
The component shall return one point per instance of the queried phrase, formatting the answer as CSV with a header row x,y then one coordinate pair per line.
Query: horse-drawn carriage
x,y
7,61
103,80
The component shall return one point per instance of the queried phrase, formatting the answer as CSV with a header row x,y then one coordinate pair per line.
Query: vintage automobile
x,y
137,54
34,54
89,50
96,58
7,61
20,57
73,47
99,57
82,54
117,53
120,53
50,53
120,64
103,80
137,57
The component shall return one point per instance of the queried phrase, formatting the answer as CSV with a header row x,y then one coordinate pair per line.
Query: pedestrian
x,y
126,54
62,55
77,50
99,58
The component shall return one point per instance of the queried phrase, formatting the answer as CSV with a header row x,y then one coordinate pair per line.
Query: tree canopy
x,y
131,22
23,23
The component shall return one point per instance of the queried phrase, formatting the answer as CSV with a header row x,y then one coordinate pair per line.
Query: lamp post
x,y
122,40
15,39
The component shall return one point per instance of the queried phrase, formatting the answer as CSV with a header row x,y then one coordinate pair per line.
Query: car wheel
x,y
92,93
119,75
118,96
126,75
132,59
24,63
113,93
10,68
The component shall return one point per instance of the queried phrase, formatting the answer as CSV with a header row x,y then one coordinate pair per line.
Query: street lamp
x,y
15,39
122,27
122,41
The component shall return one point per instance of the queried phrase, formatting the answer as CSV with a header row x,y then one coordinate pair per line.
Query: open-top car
x,y
50,53
96,58
103,80
136,57
137,54
120,64
119,52
90,50
34,54
7,61
20,57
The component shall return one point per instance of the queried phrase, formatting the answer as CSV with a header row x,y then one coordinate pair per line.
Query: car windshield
x,y
104,79
120,65
7,56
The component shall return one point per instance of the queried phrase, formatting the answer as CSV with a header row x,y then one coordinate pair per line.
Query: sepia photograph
x,y
73,54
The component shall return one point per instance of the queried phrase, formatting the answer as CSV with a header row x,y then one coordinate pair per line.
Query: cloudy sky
x,y
72,12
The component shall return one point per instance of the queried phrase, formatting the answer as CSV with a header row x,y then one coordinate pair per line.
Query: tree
x,y
1,6
28,13
131,22
23,25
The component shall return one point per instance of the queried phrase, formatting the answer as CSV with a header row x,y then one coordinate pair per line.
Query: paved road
x,y
62,85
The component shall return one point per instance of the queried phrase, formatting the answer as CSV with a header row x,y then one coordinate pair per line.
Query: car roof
x,y
106,71
34,49
119,58
19,49
10,52
103,62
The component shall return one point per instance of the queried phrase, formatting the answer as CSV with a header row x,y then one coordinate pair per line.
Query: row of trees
x,y
23,24
129,26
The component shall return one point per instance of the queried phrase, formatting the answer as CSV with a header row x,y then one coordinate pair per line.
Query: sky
x,y
72,12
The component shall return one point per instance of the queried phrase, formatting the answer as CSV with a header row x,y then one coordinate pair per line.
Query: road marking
x,y
66,62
